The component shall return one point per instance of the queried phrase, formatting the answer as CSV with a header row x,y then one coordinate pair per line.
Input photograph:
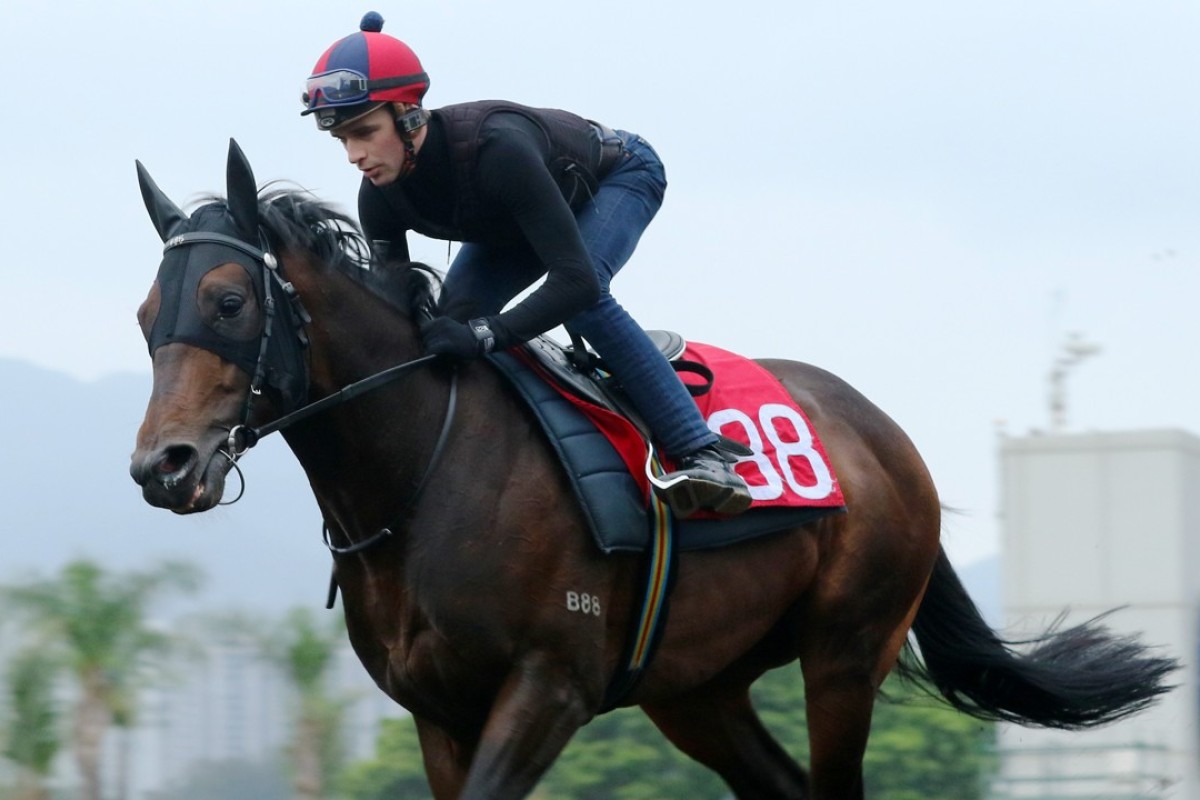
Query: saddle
x,y
581,371
553,379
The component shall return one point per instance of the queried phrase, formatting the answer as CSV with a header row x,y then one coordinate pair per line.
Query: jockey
x,y
529,192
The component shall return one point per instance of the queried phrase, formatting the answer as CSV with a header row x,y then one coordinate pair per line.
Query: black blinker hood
x,y
179,318
188,257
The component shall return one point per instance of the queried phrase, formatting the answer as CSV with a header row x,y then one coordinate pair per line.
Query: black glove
x,y
449,337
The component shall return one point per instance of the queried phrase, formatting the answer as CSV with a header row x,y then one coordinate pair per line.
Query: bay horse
x,y
456,537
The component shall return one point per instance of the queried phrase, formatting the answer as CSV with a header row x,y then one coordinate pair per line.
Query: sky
x,y
928,198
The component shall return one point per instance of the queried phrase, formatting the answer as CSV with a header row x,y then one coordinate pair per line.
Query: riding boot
x,y
704,481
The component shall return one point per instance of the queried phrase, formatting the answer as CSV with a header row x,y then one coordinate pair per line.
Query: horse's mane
x,y
296,220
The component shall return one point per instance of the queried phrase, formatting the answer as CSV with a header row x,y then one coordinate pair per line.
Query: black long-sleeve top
x,y
513,193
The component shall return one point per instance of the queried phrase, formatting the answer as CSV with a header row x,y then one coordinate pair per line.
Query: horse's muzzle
x,y
174,477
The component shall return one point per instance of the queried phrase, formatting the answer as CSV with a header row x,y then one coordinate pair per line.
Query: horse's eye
x,y
230,306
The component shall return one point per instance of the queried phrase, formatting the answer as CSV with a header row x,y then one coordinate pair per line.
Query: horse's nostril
x,y
174,465
175,459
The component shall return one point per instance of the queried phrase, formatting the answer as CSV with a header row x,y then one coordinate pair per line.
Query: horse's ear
x,y
165,215
242,193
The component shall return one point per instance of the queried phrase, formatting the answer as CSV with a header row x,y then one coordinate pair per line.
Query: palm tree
x,y
123,707
98,621
305,651
34,738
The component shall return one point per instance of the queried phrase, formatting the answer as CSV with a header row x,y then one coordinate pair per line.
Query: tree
x,y
230,779
34,739
396,770
619,756
98,623
622,756
921,748
123,708
305,651
918,749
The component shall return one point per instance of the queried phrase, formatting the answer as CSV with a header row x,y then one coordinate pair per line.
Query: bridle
x,y
273,284
292,315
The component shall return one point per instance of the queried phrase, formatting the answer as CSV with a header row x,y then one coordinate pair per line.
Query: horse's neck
x,y
361,455
355,333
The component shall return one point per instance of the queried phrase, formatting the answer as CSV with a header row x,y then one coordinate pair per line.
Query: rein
x,y
386,531
248,437
242,437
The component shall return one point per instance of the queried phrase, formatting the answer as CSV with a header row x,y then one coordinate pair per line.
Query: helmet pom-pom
x,y
372,22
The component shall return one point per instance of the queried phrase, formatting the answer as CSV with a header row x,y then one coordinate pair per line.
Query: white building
x,y
1093,522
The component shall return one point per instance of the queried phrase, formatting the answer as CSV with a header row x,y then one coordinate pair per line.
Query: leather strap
x,y
611,148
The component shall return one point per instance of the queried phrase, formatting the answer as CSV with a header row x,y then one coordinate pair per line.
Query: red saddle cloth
x,y
789,467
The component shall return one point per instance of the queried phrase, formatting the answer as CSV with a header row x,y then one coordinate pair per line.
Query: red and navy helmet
x,y
359,72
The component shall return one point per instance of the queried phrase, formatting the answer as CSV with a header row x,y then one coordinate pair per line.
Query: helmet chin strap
x,y
407,125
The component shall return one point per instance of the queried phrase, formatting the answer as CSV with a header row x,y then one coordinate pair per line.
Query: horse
x,y
456,538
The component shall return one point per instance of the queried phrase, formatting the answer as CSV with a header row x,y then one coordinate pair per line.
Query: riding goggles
x,y
347,87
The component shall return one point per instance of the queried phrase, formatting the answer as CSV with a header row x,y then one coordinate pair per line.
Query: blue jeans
x,y
611,224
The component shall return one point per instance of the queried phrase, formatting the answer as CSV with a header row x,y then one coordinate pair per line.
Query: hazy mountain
x,y
66,492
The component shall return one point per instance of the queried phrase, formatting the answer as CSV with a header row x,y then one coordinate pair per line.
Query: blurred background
x,y
983,216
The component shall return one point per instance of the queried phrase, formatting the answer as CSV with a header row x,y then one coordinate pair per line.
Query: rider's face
x,y
374,146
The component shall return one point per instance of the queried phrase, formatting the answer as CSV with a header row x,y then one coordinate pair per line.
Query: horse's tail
x,y
1070,678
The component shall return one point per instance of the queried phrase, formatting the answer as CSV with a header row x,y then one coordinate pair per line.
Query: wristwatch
x,y
483,334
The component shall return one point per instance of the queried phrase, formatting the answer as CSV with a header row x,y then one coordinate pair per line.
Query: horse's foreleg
x,y
446,760
537,711
720,729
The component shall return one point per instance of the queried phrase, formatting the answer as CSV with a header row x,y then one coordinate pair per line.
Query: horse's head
x,y
224,336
